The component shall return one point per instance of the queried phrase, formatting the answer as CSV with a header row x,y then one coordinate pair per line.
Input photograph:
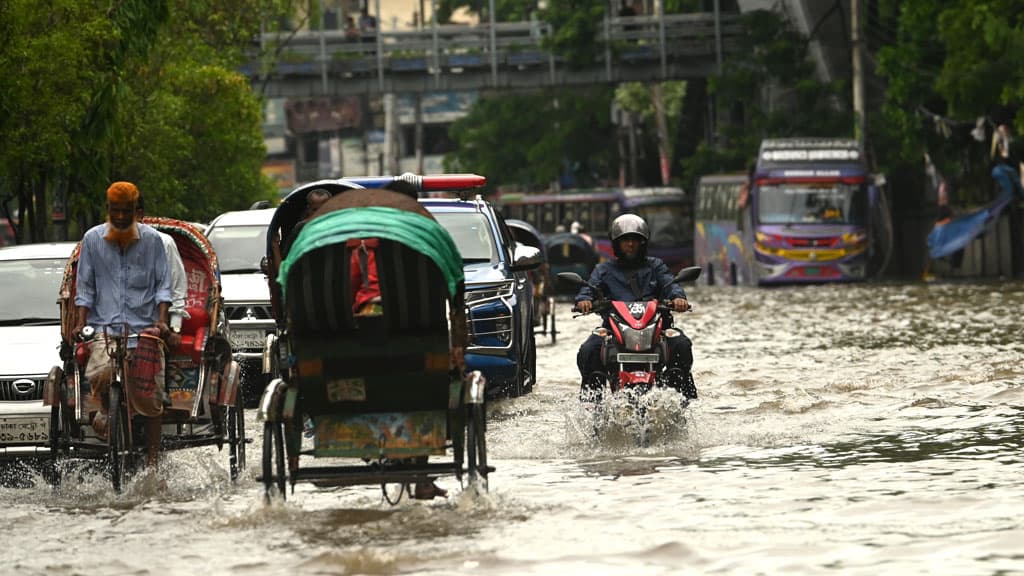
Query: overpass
x,y
502,56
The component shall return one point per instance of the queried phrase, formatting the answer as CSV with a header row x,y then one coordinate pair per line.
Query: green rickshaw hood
x,y
422,234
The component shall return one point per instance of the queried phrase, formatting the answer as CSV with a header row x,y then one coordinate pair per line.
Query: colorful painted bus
x,y
812,214
667,210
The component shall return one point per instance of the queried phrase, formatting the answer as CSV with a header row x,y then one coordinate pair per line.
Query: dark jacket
x,y
652,280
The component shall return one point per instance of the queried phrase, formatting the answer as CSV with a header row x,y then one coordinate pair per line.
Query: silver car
x,y
240,240
30,279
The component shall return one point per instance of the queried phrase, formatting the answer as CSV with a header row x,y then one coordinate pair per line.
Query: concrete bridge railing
x,y
505,55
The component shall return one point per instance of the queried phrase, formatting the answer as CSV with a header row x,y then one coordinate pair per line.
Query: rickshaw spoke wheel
x,y
236,436
476,444
551,312
279,452
118,442
393,493
271,434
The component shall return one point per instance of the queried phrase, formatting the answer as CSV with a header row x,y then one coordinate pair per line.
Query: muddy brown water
x,y
857,429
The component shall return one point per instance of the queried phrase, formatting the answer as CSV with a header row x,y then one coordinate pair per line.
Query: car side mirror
x,y
526,258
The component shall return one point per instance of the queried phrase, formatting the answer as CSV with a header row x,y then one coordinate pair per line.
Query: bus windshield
x,y
670,224
811,203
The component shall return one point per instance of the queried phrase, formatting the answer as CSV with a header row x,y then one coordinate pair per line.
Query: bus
x,y
813,213
719,245
667,210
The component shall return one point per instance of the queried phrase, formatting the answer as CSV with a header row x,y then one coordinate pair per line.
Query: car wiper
x,y
240,271
30,322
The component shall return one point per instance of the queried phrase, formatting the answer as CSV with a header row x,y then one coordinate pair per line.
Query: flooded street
x,y
840,429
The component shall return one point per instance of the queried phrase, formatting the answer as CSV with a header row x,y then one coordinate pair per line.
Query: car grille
x,y
244,311
18,388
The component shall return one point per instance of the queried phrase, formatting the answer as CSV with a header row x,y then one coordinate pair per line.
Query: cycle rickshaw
x,y
380,393
568,252
201,379
543,284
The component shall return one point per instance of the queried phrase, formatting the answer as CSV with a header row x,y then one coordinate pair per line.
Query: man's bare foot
x,y
429,491
100,424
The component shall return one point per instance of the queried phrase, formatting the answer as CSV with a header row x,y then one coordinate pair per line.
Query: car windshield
x,y
239,249
471,233
30,289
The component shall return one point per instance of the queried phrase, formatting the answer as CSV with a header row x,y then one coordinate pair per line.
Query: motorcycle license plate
x,y
24,430
627,357
248,339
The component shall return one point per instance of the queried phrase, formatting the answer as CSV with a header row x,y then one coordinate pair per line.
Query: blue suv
x,y
499,293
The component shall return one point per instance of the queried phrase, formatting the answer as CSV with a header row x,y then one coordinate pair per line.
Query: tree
x,y
142,90
768,89
534,139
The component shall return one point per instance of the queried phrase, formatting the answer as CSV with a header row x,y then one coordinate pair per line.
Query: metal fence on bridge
x,y
505,55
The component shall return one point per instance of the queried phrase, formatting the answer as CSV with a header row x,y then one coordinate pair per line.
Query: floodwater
x,y
841,429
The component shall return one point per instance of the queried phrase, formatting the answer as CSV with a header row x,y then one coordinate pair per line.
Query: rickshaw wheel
x,y
273,447
393,493
531,366
551,313
236,436
118,440
60,433
476,443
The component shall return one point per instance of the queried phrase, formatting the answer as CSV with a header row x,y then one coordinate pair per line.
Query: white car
x,y
240,239
30,279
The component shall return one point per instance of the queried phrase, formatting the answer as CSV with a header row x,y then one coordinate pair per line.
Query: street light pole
x,y
860,127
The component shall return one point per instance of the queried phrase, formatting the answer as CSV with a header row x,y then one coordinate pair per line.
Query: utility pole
x,y
858,75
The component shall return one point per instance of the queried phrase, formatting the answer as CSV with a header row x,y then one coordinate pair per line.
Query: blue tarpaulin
x,y
955,234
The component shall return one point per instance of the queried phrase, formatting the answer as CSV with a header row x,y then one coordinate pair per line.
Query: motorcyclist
x,y
633,276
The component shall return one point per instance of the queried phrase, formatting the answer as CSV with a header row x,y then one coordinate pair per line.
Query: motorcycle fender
x,y
635,377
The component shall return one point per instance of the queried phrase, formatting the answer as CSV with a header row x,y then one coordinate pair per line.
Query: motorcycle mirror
x,y
688,274
572,278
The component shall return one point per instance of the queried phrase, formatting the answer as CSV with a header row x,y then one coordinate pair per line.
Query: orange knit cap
x,y
122,192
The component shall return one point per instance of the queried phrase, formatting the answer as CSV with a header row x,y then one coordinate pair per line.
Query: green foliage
x,y
525,139
772,60
141,90
576,25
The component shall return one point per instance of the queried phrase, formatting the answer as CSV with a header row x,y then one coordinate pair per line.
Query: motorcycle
x,y
635,345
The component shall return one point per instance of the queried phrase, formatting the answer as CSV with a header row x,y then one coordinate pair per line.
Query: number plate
x,y
811,271
24,430
248,339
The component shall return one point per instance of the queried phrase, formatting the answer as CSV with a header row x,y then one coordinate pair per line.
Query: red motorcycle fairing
x,y
625,311
635,377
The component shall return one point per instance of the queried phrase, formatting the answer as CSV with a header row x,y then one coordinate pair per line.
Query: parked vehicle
x,y
30,276
499,293
239,239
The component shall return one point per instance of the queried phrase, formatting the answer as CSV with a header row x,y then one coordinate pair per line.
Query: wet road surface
x,y
841,429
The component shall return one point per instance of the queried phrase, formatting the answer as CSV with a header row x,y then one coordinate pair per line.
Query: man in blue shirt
x,y
123,278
